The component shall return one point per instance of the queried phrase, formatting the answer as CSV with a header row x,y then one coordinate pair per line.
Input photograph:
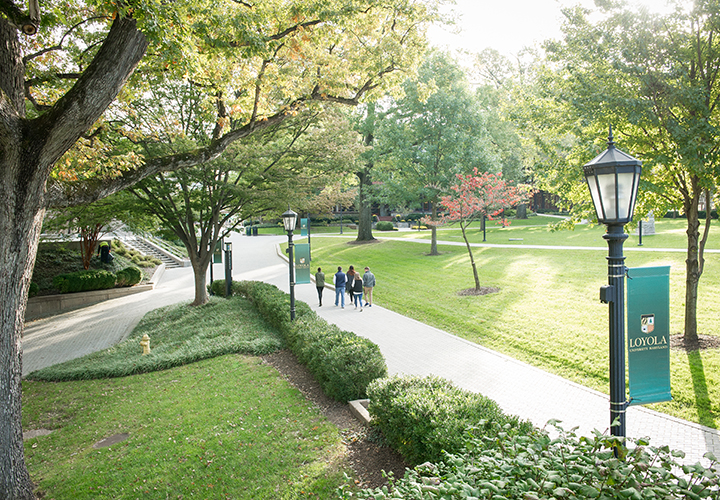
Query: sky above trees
x,y
511,25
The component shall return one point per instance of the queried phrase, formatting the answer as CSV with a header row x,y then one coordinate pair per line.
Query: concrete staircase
x,y
154,248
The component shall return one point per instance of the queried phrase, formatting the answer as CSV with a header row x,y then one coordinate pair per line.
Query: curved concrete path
x,y
408,346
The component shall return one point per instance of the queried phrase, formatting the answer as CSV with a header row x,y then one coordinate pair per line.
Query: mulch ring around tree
x,y
483,290
703,342
363,242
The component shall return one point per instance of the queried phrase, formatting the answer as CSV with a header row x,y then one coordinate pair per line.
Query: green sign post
x,y
648,325
302,263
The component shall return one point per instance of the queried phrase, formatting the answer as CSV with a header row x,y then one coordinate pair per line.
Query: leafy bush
x,y
128,277
514,464
83,281
342,363
424,417
385,225
34,289
217,287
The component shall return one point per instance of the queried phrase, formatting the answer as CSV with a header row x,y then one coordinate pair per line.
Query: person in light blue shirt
x,y
340,280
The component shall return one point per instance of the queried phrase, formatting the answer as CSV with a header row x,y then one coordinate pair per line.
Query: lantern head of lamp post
x,y
613,177
289,220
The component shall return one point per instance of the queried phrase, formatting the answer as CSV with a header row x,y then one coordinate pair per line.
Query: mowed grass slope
x,y
226,426
547,312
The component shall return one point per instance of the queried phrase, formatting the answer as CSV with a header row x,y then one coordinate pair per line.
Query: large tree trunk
x,y
200,273
28,151
200,256
364,176
365,219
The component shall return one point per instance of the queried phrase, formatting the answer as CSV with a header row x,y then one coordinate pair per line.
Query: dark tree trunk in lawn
x,y
365,219
433,231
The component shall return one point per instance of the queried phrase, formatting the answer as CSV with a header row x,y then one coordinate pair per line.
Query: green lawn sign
x,y
304,227
302,263
648,325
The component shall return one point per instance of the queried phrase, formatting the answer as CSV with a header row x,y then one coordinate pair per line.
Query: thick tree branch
x,y
73,114
62,195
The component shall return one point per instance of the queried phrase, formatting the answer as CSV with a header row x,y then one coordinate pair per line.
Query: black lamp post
x,y
228,269
613,178
289,220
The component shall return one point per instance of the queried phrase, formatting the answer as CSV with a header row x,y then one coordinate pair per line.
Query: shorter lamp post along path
x,y
228,269
613,178
289,220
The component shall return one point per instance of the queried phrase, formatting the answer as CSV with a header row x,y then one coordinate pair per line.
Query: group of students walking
x,y
355,285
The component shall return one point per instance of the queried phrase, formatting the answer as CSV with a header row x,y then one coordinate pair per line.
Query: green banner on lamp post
x,y
648,325
217,253
304,227
302,263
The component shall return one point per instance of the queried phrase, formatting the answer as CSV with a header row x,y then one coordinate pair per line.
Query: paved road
x,y
409,347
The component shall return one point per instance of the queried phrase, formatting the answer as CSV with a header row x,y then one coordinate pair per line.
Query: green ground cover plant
x,y
552,465
178,335
227,427
547,312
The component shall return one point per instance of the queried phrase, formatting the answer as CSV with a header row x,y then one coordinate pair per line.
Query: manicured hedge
x,y
422,418
128,277
83,281
342,363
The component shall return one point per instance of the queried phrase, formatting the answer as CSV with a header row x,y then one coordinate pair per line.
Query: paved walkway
x,y
409,347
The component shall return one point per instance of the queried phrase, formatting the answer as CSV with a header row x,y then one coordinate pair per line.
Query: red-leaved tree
x,y
477,195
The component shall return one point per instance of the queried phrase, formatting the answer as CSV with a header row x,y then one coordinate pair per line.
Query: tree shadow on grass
x,y
700,388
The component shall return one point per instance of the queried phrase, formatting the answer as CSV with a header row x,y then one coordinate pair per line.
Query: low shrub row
x,y
385,225
342,363
553,464
423,418
92,279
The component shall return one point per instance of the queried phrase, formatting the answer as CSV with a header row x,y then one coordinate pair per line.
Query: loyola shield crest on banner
x,y
647,323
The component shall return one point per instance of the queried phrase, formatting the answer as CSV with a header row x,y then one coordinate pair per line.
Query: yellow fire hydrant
x,y
145,343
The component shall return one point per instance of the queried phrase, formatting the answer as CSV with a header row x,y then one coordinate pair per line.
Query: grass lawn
x,y
669,233
227,427
547,312
223,427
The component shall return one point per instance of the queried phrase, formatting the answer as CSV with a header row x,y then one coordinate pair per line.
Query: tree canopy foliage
x,y
654,78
